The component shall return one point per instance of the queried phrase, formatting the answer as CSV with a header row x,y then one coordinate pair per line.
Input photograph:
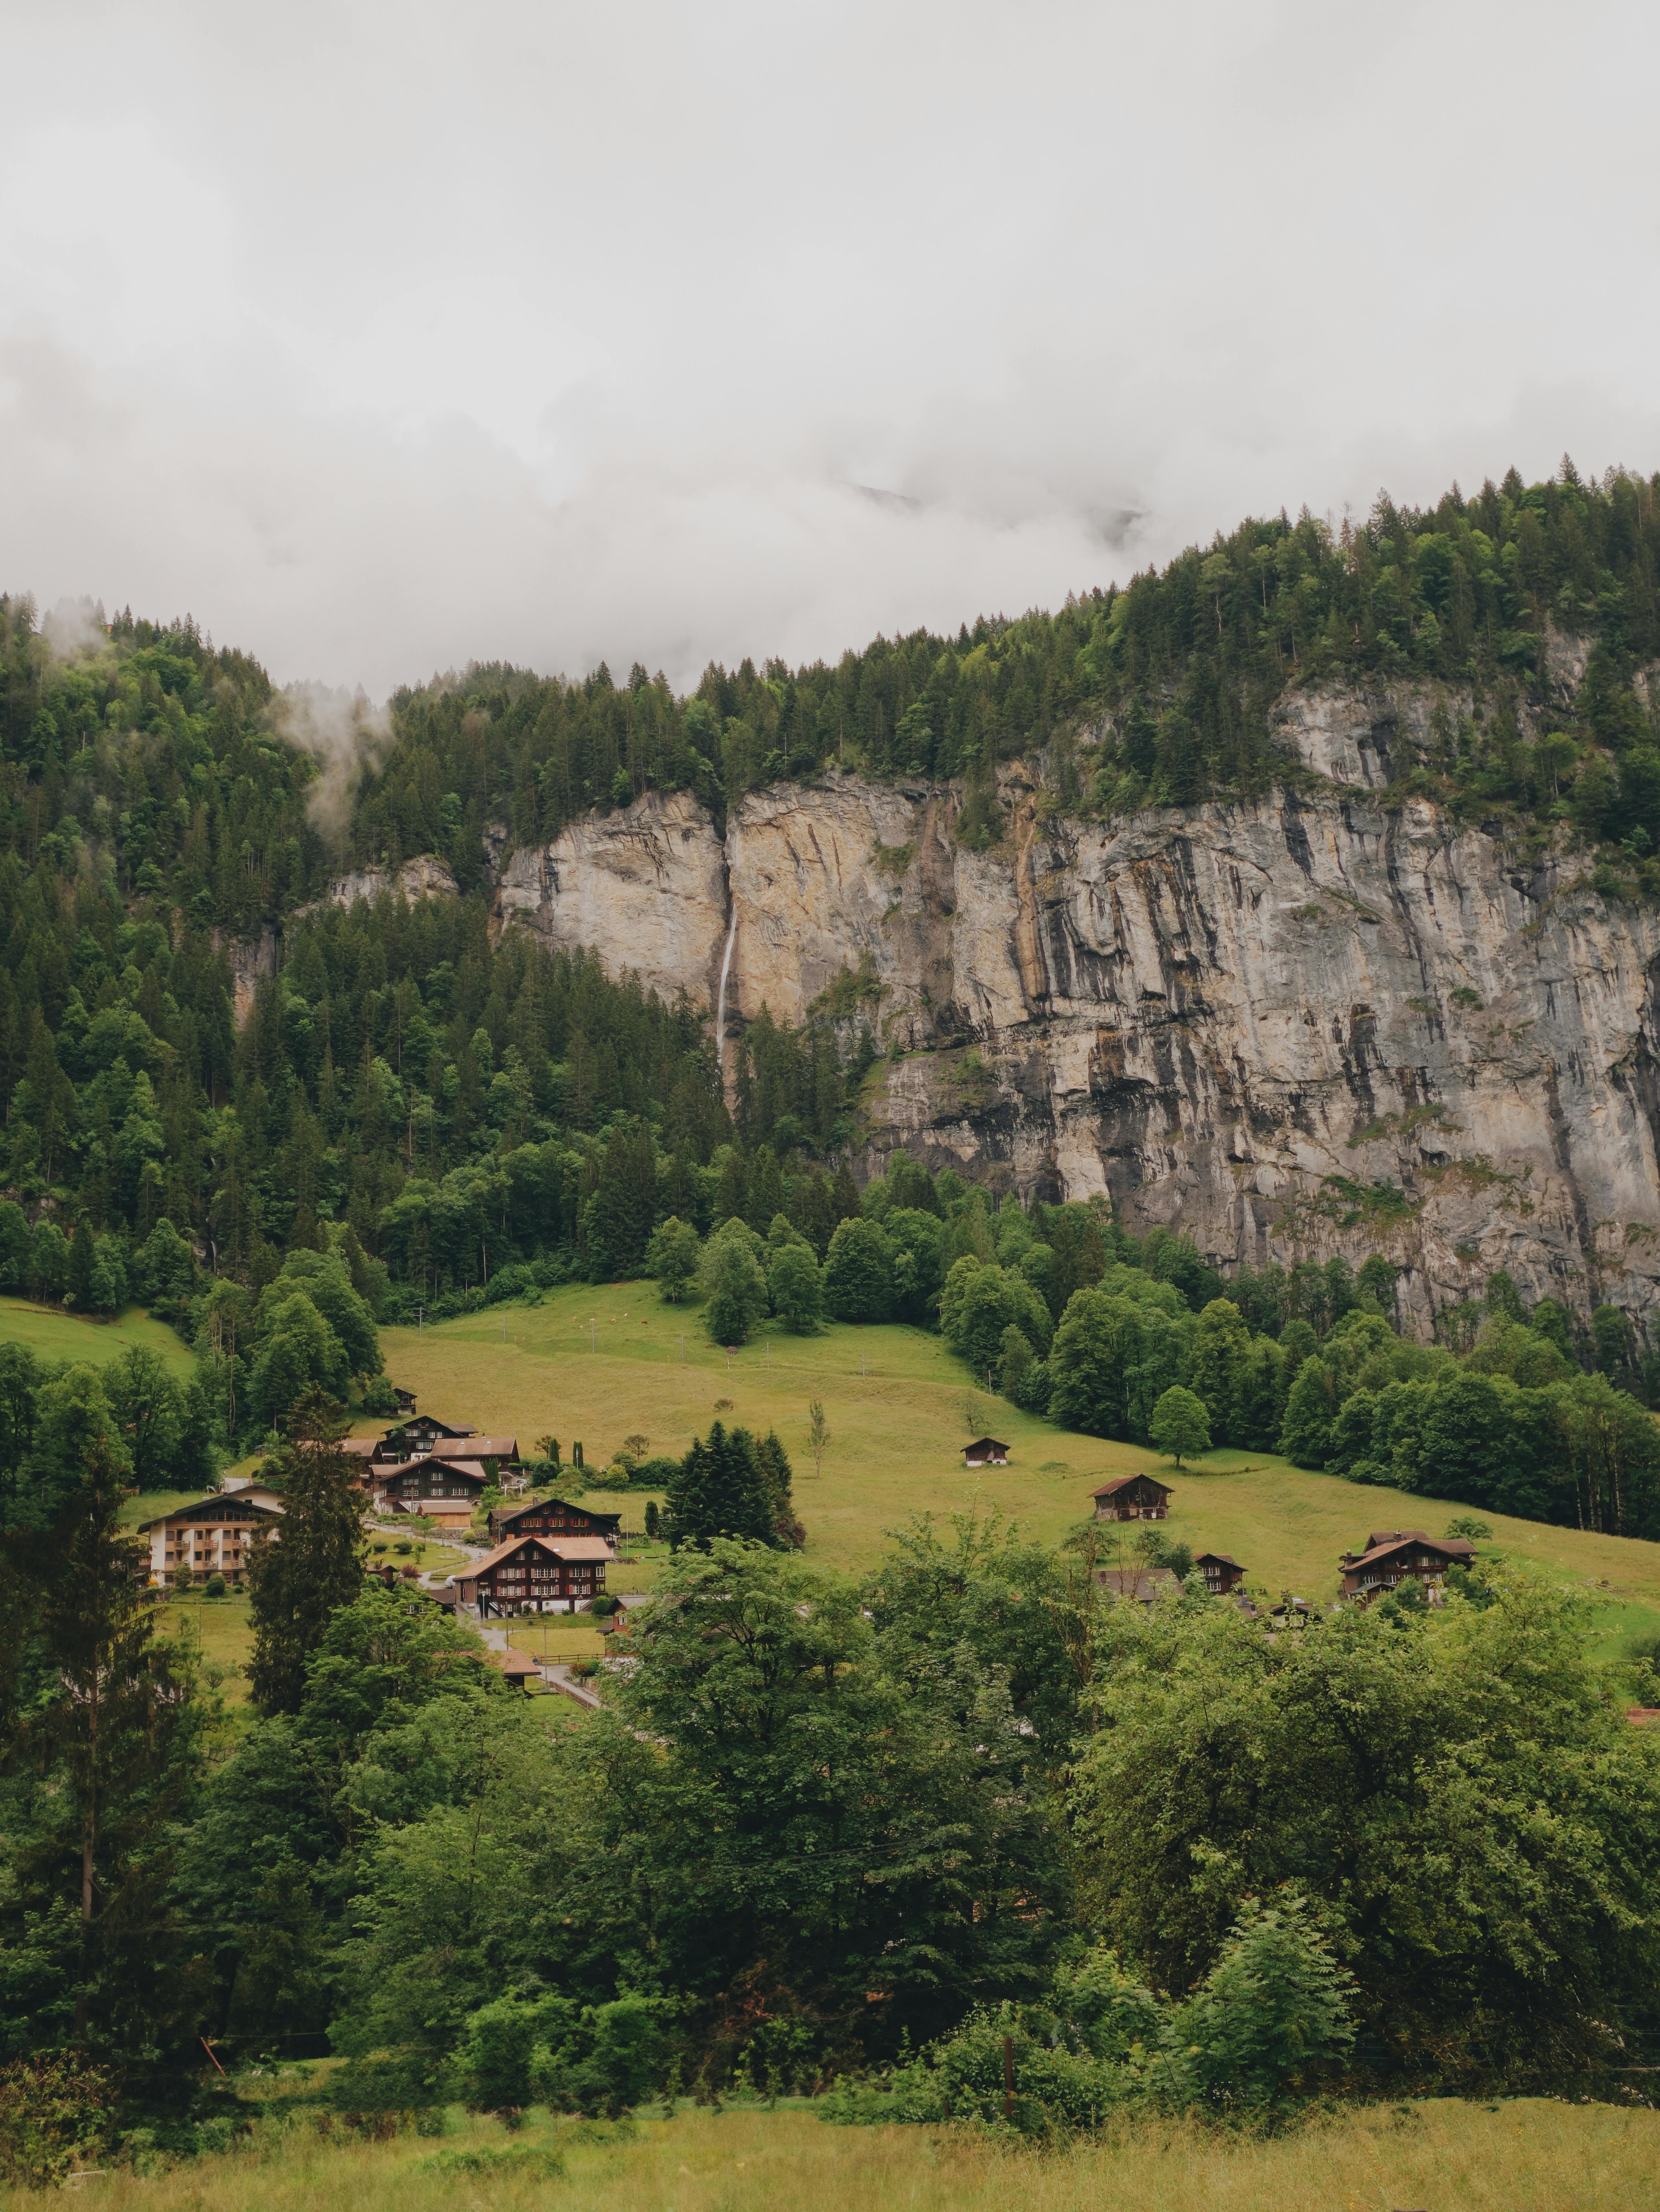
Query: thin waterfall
x,y
720,1001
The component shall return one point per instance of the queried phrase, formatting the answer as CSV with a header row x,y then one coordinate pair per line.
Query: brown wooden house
x,y
1393,1554
213,1537
552,1517
986,1451
1222,1575
445,1491
536,1574
1132,1497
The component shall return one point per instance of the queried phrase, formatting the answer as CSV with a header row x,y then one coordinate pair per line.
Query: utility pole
x,y
593,1341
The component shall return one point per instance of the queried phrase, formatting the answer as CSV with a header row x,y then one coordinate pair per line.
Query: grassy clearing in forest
x,y
51,1334
1532,2155
600,1362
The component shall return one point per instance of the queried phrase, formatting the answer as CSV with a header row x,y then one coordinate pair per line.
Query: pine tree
x,y
312,1563
121,1741
719,1490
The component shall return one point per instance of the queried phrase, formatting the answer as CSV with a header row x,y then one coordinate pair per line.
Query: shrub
x,y
215,1586
55,2112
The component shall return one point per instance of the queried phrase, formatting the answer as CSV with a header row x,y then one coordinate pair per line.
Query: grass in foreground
x,y
600,1362
1529,2156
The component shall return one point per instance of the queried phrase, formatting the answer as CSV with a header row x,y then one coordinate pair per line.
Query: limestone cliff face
x,y
645,888
1303,1026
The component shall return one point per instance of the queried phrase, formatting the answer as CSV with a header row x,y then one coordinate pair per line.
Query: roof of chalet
x,y
1124,1481
506,1515
489,1448
562,1547
1137,1582
213,1509
359,1447
1221,1559
986,1443
430,1421
472,1472
1381,1542
514,1664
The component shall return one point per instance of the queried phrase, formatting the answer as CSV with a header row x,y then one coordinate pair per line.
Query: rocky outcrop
x,y
426,876
252,961
646,888
1317,1023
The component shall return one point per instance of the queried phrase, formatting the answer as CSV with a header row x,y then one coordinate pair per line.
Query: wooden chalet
x,y
422,1433
986,1451
213,1537
552,1517
406,1400
1222,1575
445,1491
1142,1585
536,1574
1132,1497
1393,1554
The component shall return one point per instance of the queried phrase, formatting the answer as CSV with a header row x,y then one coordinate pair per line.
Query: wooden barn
x,y
1132,1497
986,1451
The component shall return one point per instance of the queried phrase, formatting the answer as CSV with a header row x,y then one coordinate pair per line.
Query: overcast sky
x,y
386,337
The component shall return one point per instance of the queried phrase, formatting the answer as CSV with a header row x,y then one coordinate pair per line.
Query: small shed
x,y
1222,1575
986,1451
406,1400
1132,1497
517,1668
1142,1585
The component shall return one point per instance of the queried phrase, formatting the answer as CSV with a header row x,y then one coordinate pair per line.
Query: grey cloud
x,y
383,337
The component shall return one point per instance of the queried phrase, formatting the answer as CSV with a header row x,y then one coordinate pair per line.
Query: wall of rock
x,y
1309,1024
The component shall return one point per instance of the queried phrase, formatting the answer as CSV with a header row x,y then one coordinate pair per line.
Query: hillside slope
x,y
597,1362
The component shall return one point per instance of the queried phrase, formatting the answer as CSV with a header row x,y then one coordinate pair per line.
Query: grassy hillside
x,y
1530,2156
51,1334
599,1363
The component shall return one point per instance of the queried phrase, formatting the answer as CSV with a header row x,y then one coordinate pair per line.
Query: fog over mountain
x,y
384,339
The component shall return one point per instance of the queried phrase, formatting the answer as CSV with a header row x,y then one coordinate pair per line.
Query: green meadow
x,y
600,1362
51,1334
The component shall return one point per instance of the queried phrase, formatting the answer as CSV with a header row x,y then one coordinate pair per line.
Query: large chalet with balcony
x,y
214,1536
537,1574
1393,1555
